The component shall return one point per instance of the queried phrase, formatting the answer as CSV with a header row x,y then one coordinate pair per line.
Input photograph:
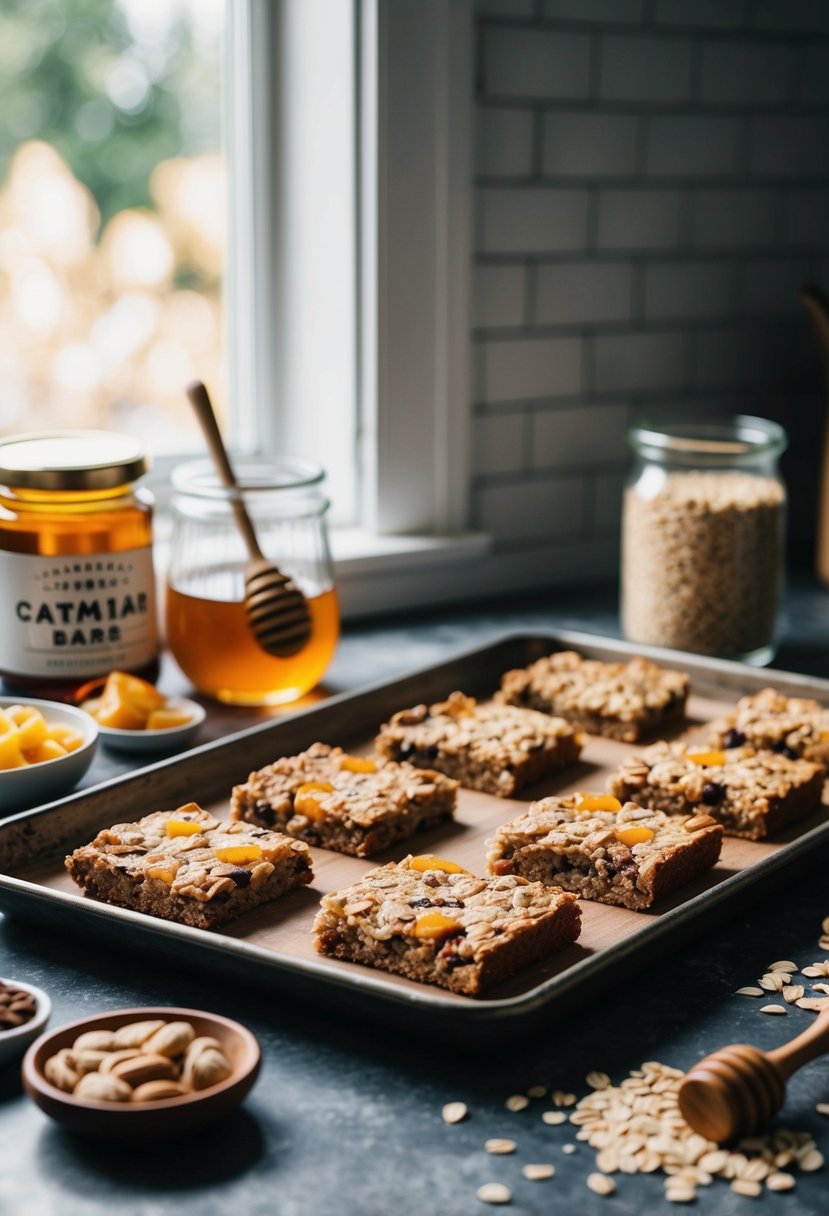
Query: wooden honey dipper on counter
x,y
277,612
738,1089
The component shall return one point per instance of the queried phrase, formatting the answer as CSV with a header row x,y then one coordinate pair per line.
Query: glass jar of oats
x,y
702,537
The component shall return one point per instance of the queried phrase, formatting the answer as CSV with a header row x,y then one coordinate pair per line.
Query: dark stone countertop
x,y
345,1118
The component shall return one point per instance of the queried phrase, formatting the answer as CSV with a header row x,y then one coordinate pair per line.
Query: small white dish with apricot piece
x,y
133,716
45,749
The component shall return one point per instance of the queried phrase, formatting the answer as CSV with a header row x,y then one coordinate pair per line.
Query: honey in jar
x,y
77,585
207,630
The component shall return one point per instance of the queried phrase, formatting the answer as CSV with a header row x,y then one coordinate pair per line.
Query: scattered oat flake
x,y
569,1148
537,1173
825,924
562,1098
453,1112
516,1102
749,991
773,981
494,1192
822,1108
536,1091
823,943
500,1146
600,1184
772,1009
785,964
820,988
793,992
554,1117
813,1160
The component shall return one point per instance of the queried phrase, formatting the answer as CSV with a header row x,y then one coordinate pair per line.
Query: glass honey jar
x,y
77,586
206,626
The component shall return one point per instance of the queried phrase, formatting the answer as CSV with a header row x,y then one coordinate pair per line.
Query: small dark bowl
x,y
144,1120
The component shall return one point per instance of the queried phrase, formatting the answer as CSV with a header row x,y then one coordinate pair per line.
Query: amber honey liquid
x,y
213,645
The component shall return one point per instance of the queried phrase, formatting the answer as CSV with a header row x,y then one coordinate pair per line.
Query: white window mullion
x,y
415,189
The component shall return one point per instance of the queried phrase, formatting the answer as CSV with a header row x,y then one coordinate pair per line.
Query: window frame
x,y
411,187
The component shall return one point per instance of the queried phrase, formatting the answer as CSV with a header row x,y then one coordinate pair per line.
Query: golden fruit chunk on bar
x,y
435,924
597,802
358,764
426,862
240,854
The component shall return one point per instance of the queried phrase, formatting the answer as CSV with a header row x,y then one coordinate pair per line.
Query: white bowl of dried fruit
x,y
24,1011
45,749
133,716
142,1074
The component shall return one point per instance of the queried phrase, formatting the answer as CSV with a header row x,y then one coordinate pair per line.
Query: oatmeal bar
x,y
429,920
627,856
351,804
492,747
751,793
185,866
795,727
619,700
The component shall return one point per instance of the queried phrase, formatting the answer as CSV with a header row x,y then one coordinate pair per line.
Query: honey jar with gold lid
x,y
77,588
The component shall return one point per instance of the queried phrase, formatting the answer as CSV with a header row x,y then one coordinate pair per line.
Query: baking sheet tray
x,y
272,945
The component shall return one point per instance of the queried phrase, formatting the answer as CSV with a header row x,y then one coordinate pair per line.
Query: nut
x,y
208,1068
146,1067
89,1060
115,1057
135,1033
102,1087
171,1039
61,1072
95,1040
157,1091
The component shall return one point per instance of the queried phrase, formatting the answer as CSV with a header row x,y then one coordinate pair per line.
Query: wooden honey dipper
x,y
738,1089
276,610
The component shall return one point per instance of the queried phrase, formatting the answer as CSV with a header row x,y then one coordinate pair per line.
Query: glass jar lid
x,y
743,438
71,460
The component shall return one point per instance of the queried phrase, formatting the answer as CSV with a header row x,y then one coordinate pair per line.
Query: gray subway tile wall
x,y
651,192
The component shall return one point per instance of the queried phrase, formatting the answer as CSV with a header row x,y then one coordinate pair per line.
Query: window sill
x,y
377,573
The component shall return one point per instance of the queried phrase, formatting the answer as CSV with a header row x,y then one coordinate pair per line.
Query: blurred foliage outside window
x,y
112,214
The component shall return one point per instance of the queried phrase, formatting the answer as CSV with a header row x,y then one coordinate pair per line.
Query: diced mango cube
x,y
31,724
238,854
119,716
133,691
49,749
435,924
69,738
166,719
11,753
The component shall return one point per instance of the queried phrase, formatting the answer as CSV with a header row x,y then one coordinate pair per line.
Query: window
x,y
112,214
340,289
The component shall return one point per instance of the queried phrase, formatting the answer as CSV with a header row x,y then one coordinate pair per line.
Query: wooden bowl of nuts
x,y
142,1074
24,1011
